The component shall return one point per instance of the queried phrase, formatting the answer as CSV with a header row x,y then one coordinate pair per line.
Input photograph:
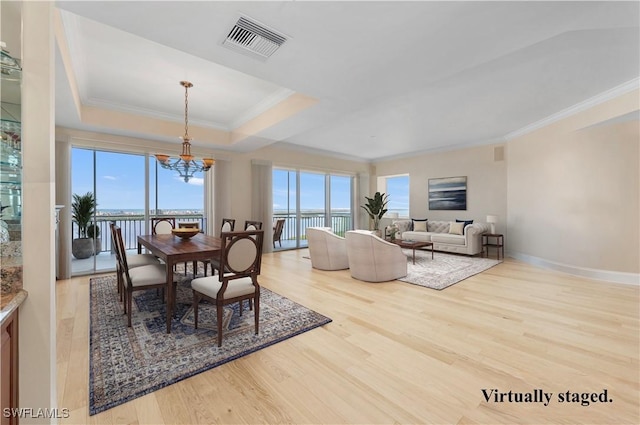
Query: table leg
x,y
170,295
432,251
414,255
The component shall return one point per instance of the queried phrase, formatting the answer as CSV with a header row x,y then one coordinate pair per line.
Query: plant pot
x,y
83,248
98,245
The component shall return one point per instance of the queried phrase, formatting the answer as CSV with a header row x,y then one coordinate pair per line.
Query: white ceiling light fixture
x,y
253,38
186,166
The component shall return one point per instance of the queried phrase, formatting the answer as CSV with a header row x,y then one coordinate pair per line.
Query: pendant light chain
x,y
186,111
185,165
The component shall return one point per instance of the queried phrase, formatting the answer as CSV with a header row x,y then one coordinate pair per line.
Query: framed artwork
x,y
448,193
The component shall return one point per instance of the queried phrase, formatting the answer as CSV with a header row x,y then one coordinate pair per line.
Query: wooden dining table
x,y
172,250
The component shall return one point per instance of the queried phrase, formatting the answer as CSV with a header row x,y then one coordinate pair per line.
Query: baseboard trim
x,y
597,274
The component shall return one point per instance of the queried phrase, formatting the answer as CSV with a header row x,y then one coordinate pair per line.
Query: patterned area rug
x,y
444,270
126,363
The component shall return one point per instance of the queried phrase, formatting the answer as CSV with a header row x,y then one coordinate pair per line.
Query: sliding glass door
x,y
311,199
125,195
116,181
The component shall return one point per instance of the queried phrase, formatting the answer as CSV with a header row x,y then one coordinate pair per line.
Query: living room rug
x,y
126,363
444,270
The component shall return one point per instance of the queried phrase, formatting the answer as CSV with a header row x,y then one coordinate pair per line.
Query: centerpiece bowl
x,y
185,233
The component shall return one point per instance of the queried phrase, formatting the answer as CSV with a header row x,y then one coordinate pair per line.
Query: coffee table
x,y
409,244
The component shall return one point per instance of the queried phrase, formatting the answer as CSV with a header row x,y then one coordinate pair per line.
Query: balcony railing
x,y
340,223
133,226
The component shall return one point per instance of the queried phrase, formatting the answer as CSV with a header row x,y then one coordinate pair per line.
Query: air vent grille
x,y
253,38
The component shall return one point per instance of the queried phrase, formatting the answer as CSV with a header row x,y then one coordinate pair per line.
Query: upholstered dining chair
x,y
133,260
162,225
277,232
252,225
189,225
327,250
139,278
227,225
241,256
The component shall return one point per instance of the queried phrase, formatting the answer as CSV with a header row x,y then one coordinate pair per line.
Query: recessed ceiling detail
x,y
253,38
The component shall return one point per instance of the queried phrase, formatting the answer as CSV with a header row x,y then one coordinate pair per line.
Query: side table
x,y
498,243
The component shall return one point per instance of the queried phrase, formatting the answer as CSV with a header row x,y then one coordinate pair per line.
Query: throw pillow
x,y
417,220
420,226
465,224
456,228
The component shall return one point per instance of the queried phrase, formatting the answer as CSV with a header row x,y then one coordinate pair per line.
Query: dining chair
x,y
241,255
189,225
277,232
162,225
133,260
139,278
252,225
228,225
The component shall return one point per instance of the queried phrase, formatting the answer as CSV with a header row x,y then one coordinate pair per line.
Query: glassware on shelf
x,y
9,67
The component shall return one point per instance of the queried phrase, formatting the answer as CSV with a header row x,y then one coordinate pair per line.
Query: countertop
x,y
10,303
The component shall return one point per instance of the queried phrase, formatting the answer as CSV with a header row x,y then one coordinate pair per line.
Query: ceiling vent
x,y
252,38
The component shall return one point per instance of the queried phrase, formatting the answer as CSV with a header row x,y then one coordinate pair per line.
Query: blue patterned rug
x,y
126,363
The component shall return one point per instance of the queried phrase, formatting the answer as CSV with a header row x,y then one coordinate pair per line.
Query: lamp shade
x,y
492,219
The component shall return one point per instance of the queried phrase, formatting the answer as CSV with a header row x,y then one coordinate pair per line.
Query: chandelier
x,y
186,166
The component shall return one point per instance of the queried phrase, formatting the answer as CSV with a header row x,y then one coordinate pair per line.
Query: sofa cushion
x,y
448,238
466,222
456,228
417,220
417,236
420,226
438,226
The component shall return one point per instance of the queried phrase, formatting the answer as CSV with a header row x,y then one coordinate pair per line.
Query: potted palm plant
x,y
376,207
83,208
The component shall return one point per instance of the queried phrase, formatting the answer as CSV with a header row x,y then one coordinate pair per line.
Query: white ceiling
x,y
390,78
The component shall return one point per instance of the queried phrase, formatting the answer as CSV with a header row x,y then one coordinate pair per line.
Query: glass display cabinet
x,y
10,175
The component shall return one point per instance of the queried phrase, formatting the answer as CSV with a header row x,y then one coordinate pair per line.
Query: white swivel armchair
x,y
327,250
373,259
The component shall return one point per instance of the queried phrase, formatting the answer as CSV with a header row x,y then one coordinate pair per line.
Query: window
x,y
397,187
324,200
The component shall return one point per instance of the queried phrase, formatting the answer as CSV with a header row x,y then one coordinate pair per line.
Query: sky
x,y
120,182
119,185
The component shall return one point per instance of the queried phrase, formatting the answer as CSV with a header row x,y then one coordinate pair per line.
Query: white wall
x,y
486,182
573,193
37,358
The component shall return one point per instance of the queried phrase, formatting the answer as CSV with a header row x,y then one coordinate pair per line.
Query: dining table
x,y
173,250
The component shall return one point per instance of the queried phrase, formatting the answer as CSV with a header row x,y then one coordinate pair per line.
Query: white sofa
x,y
373,259
327,250
438,232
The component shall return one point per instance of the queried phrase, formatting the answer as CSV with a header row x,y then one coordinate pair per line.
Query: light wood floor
x,y
399,353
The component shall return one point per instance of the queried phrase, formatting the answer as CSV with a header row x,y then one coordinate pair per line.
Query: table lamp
x,y
492,219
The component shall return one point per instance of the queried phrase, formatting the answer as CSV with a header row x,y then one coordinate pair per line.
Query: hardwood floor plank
x,y
399,353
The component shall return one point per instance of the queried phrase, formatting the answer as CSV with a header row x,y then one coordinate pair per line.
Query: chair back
x,y
252,225
228,224
277,229
121,255
162,225
241,253
193,225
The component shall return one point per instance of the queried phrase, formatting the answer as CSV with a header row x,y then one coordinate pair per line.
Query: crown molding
x,y
578,107
263,106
